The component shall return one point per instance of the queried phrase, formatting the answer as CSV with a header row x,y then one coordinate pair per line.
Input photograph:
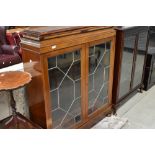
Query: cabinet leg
x,y
12,103
114,110
141,89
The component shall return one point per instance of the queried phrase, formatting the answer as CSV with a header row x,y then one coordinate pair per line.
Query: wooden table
x,y
9,81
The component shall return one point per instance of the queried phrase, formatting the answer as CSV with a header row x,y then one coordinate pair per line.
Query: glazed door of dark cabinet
x,y
140,58
151,39
65,87
99,67
152,77
127,64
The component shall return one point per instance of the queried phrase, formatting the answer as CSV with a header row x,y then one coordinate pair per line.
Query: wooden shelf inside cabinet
x,y
72,74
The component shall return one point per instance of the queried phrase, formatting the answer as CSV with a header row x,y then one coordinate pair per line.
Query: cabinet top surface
x,y
130,27
48,32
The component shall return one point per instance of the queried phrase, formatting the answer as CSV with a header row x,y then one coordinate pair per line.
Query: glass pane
x,y
107,58
76,69
91,82
64,62
101,97
77,90
52,63
107,69
54,98
126,65
65,85
55,76
152,80
99,64
151,47
140,59
76,55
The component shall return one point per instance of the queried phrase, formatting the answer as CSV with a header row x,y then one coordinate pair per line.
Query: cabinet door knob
x,y
53,46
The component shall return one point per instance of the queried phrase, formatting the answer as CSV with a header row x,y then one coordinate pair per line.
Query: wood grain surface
x,y
13,79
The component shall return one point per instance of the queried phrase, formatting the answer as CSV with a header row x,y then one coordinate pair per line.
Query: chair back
x,y
3,39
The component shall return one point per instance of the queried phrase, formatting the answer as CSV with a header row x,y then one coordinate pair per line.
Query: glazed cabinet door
x,y
64,74
100,68
140,58
152,76
126,64
80,82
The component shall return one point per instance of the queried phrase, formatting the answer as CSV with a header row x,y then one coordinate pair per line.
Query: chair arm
x,y
7,49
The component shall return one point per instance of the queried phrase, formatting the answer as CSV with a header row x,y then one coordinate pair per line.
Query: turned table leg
x,y
13,119
12,103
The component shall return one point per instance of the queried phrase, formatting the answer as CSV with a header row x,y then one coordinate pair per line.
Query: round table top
x,y
13,79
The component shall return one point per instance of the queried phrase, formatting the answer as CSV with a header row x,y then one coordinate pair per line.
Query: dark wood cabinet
x,y
131,49
72,74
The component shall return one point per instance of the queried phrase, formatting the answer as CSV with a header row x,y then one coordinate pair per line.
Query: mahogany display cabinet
x,y
130,57
149,77
72,74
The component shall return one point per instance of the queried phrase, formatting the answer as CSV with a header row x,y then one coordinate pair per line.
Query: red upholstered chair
x,y
8,53
17,38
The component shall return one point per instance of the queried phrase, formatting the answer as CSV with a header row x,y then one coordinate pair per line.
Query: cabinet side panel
x,y
117,65
35,88
111,75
